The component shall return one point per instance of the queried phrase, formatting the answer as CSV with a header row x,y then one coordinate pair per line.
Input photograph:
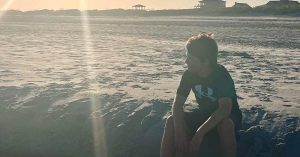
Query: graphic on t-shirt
x,y
201,93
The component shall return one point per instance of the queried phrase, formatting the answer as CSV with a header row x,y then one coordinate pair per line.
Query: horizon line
x,y
111,8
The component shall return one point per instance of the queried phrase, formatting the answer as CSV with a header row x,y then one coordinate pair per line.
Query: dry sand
x,y
48,83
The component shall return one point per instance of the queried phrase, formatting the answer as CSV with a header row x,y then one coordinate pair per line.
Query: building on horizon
x,y
210,4
139,7
282,4
241,6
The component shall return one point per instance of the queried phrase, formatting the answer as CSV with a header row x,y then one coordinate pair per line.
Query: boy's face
x,y
196,65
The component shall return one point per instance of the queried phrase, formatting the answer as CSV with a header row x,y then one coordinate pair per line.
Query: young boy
x,y
218,107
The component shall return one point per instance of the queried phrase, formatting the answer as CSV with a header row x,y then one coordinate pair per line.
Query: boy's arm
x,y
181,140
177,111
221,113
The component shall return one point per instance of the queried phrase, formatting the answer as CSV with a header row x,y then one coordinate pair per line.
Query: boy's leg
x,y
226,132
167,144
193,120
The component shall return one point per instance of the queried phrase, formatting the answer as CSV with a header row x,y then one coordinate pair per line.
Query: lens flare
x,y
5,7
100,147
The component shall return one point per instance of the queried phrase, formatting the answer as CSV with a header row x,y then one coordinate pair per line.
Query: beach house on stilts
x,y
139,7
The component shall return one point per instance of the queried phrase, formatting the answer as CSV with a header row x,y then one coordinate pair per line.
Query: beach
x,y
103,86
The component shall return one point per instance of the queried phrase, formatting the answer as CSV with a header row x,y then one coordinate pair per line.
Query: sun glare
x,y
5,7
100,148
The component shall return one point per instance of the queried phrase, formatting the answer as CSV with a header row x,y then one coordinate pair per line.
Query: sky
x,y
25,5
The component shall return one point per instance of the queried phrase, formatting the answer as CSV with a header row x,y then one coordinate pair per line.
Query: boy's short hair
x,y
203,46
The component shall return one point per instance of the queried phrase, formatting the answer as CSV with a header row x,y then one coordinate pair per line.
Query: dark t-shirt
x,y
208,90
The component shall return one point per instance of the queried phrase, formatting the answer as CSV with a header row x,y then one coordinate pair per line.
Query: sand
x,y
57,97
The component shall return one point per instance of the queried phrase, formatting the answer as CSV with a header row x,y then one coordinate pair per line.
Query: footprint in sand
x,y
145,88
136,86
265,99
287,105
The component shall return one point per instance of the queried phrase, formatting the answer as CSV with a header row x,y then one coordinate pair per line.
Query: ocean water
x,y
56,77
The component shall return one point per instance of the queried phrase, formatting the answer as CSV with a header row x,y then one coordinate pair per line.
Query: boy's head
x,y
203,47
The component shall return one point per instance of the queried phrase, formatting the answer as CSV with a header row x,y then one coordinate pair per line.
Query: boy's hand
x,y
195,143
181,140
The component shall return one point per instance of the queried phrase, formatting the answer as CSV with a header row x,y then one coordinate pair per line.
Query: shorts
x,y
210,145
196,117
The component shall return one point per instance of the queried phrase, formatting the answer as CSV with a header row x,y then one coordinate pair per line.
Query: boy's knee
x,y
170,120
226,125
